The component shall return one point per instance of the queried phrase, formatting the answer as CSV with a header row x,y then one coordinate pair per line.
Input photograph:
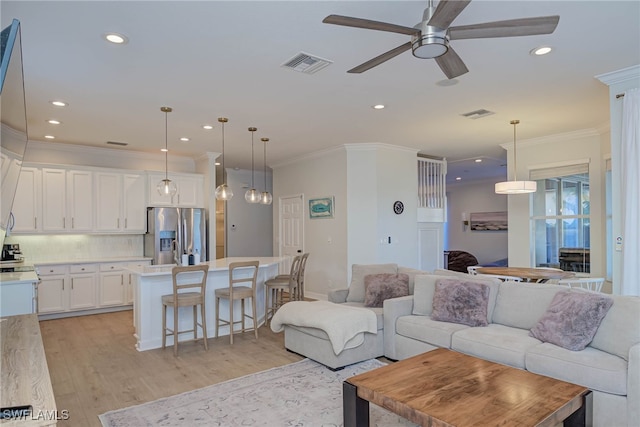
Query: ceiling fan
x,y
430,38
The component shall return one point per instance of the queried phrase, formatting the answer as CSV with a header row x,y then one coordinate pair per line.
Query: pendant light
x,y
265,197
252,195
515,186
222,191
166,187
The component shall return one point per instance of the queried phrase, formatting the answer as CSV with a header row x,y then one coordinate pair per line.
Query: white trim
x,y
556,138
620,76
586,161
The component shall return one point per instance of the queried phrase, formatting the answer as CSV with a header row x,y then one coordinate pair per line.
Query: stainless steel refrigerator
x,y
173,232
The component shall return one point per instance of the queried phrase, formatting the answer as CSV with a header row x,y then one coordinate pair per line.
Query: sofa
x,y
314,342
609,365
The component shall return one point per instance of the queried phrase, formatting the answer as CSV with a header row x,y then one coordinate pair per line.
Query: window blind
x,y
556,172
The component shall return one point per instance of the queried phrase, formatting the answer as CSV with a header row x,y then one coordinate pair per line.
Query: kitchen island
x,y
18,284
150,283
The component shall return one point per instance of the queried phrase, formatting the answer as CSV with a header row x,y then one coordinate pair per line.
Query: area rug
x,y
303,393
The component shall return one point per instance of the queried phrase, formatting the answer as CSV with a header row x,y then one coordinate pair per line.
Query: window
x,y
561,218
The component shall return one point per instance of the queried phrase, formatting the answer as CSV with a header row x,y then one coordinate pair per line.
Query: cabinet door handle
x,y
35,222
64,222
121,280
73,225
118,222
125,222
63,284
72,283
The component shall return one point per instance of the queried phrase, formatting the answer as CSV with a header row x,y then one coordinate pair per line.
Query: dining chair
x,y
179,298
276,287
502,277
588,283
239,272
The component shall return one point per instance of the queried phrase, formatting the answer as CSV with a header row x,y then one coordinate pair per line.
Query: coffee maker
x,y
11,253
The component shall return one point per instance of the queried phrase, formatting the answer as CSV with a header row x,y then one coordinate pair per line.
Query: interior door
x,y
291,228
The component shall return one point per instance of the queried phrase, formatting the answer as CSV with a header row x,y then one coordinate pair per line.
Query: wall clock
x,y
398,207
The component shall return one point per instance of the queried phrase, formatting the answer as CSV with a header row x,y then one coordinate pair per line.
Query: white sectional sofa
x,y
609,365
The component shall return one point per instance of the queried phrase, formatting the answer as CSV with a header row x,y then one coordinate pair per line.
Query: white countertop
x,y
15,278
90,260
221,264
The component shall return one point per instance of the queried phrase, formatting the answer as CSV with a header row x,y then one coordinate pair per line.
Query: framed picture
x,y
321,208
489,221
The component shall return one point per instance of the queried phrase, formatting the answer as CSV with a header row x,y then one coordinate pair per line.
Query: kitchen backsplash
x,y
77,246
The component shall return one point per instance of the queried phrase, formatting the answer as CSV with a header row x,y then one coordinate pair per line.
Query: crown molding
x,y
557,138
620,76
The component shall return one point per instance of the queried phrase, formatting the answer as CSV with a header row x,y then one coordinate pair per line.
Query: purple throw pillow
x,y
382,286
572,319
461,302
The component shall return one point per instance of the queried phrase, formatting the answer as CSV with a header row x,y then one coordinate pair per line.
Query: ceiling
x,y
207,59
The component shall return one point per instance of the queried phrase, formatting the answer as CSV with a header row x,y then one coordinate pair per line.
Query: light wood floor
x,y
95,368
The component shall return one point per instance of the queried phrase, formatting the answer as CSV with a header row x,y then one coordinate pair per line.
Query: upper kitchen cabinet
x,y
190,190
26,205
120,202
67,200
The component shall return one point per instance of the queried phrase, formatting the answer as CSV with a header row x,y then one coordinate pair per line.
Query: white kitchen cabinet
x,y
112,289
120,202
26,205
128,294
52,288
67,200
82,294
190,190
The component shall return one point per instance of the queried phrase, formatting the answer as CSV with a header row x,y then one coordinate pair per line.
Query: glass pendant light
x,y
252,195
222,191
515,186
265,197
166,187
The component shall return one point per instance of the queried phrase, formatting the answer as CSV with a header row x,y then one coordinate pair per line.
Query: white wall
x,y
558,150
487,246
249,225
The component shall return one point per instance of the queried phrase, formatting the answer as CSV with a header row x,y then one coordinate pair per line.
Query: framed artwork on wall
x,y
489,221
321,207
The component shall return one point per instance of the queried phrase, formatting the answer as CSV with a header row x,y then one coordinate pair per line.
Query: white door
x,y
291,227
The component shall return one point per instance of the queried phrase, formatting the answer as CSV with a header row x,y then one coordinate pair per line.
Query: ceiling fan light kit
x,y
430,38
515,186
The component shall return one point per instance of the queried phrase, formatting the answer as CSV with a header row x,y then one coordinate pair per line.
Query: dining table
x,y
527,274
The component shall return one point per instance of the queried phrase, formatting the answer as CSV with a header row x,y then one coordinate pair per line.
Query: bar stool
x,y
275,288
233,293
185,299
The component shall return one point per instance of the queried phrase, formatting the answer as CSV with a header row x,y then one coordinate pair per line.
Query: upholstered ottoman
x,y
335,335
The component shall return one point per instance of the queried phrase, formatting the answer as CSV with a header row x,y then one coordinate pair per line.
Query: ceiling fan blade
x,y
451,64
509,28
446,12
381,58
348,21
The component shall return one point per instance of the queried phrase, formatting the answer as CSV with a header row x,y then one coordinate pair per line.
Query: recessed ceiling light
x,y
184,139
378,106
478,160
164,150
116,38
458,178
59,103
50,137
207,127
54,122
542,50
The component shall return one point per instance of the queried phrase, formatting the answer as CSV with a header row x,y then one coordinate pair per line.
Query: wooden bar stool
x,y
185,299
275,288
233,293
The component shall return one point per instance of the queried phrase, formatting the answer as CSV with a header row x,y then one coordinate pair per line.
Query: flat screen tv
x,y
13,120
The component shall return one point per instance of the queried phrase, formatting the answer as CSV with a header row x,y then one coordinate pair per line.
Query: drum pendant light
x,y
166,187
515,186
222,191
252,195
265,197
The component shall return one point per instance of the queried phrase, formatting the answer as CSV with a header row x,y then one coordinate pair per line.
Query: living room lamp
x,y
265,198
222,191
166,187
515,186
252,195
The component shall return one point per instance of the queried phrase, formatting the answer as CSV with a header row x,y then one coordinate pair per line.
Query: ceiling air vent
x,y
305,63
477,114
121,144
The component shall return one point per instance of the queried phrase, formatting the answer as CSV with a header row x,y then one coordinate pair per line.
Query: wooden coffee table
x,y
446,388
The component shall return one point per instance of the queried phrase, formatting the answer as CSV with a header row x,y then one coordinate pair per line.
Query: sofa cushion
x,y
572,319
358,271
412,273
377,310
497,343
592,368
620,328
425,286
382,286
520,305
424,329
460,301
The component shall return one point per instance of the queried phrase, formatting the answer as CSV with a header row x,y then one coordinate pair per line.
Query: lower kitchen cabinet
x,y
112,289
52,295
